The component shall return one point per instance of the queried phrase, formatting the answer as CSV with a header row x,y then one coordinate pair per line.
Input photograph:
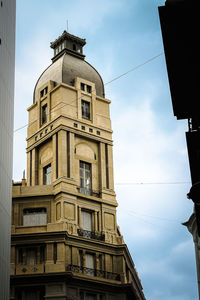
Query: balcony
x,y
29,269
91,235
87,191
93,272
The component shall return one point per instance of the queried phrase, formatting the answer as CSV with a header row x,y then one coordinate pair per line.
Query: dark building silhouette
x,y
180,28
7,64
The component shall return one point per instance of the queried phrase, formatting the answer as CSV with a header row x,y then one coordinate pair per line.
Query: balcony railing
x,y
91,235
93,272
87,191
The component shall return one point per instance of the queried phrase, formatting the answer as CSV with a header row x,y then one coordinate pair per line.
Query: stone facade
x,y
66,243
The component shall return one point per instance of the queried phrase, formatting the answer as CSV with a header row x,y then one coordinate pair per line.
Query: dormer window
x,y
89,88
82,86
44,92
86,88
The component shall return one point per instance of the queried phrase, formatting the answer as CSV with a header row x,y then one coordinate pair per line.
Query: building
x,y
180,27
7,65
192,228
65,240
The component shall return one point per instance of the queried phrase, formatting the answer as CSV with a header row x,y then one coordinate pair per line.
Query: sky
x,y
151,168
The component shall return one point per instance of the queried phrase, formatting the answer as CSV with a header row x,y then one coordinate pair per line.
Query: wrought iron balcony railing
x,y
91,235
93,272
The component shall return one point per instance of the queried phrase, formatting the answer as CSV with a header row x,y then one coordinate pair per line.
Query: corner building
x,y
65,240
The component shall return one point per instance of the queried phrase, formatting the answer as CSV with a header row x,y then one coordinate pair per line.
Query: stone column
x,y
62,154
102,166
110,167
79,216
54,162
71,155
33,166
28,169
95,221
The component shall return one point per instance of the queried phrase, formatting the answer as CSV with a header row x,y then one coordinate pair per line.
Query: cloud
x,y
144,152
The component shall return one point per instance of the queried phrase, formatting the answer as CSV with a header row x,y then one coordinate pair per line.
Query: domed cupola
x,y
68,63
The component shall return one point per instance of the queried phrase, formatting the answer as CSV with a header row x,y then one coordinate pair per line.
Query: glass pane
x,y
37,216
85,109
89,261
47,175
31,256
86,220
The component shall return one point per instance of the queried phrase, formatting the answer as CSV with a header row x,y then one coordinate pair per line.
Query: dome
x,y
64,70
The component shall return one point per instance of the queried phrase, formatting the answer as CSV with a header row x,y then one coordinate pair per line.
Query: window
x,y
85,106
82,86
31,256
54,252
89,89
74,47
85,178
34,216
47,175
29,295
90,297
89,264
44,92
86,220
44,113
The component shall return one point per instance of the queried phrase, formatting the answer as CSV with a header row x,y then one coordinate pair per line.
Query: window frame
x,y
85,109
46,175
34,212
44,113
84,187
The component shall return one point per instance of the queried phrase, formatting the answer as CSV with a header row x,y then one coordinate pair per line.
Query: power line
x,y
149,183
150,216
131,70
135,68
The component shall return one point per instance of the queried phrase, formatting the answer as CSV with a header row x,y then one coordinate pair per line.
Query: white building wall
x,y
7,65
